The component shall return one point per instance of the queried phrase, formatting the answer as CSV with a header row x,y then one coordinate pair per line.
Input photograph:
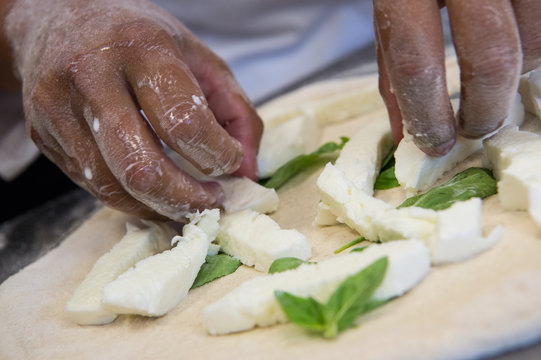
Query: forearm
x,y
8,80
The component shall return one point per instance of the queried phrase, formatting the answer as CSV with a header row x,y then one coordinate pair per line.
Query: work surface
x,y
478,307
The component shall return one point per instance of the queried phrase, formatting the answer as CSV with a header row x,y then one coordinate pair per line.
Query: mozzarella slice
x,y
85,305
243,193
297,136
257,240
416,171
515,157
344,106
452,235
253,303
361,157
324,215
458,233
158,283
240,193
349,204
530,89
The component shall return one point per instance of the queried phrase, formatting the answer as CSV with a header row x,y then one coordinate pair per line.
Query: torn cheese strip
x,y
240,193
515,157
378,221
297,136
361,157
530,89
85,305
243,193
253,303
416,171
324,215
257,240
158,283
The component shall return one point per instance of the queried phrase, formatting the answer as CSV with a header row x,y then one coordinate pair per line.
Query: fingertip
x,y
440,149
248,167
215,193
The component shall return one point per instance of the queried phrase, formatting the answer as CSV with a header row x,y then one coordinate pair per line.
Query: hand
x,y
495,41
88,67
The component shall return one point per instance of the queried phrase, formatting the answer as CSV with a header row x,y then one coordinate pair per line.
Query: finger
x,y
395,118
131,149
411,39
489,55
178,111
54,128
528,14
228,102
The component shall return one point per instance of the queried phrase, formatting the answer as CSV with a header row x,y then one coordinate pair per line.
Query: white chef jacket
x,y
269,44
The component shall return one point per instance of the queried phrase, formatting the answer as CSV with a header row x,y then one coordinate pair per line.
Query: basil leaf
x,y
386,178
302,162
286,263
305,312
359,249
349,244
350,300
215,267
472,182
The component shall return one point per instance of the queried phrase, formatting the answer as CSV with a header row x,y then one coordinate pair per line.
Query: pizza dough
x,y
474,308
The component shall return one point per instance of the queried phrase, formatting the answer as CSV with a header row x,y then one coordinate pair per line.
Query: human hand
x,y
88,67
495,41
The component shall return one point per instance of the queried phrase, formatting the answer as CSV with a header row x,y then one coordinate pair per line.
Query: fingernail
x,y
439,150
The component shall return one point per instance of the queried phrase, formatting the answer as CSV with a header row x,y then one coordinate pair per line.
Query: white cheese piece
x,y
257,240
458,234
524,90
324,215
240,193
344,106
158,283
361,157
253,303
416,171
297,136
85,305
214,249
515,157
452,235
243,193
350,205
406,223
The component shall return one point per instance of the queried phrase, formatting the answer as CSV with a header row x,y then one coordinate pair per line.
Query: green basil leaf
x,y
349,244
286,263
472,182
302,162
359,249
215,267
350,299
386,178
305,312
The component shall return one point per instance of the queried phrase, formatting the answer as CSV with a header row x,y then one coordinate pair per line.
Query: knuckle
x,y
410,66
496,65
143,178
